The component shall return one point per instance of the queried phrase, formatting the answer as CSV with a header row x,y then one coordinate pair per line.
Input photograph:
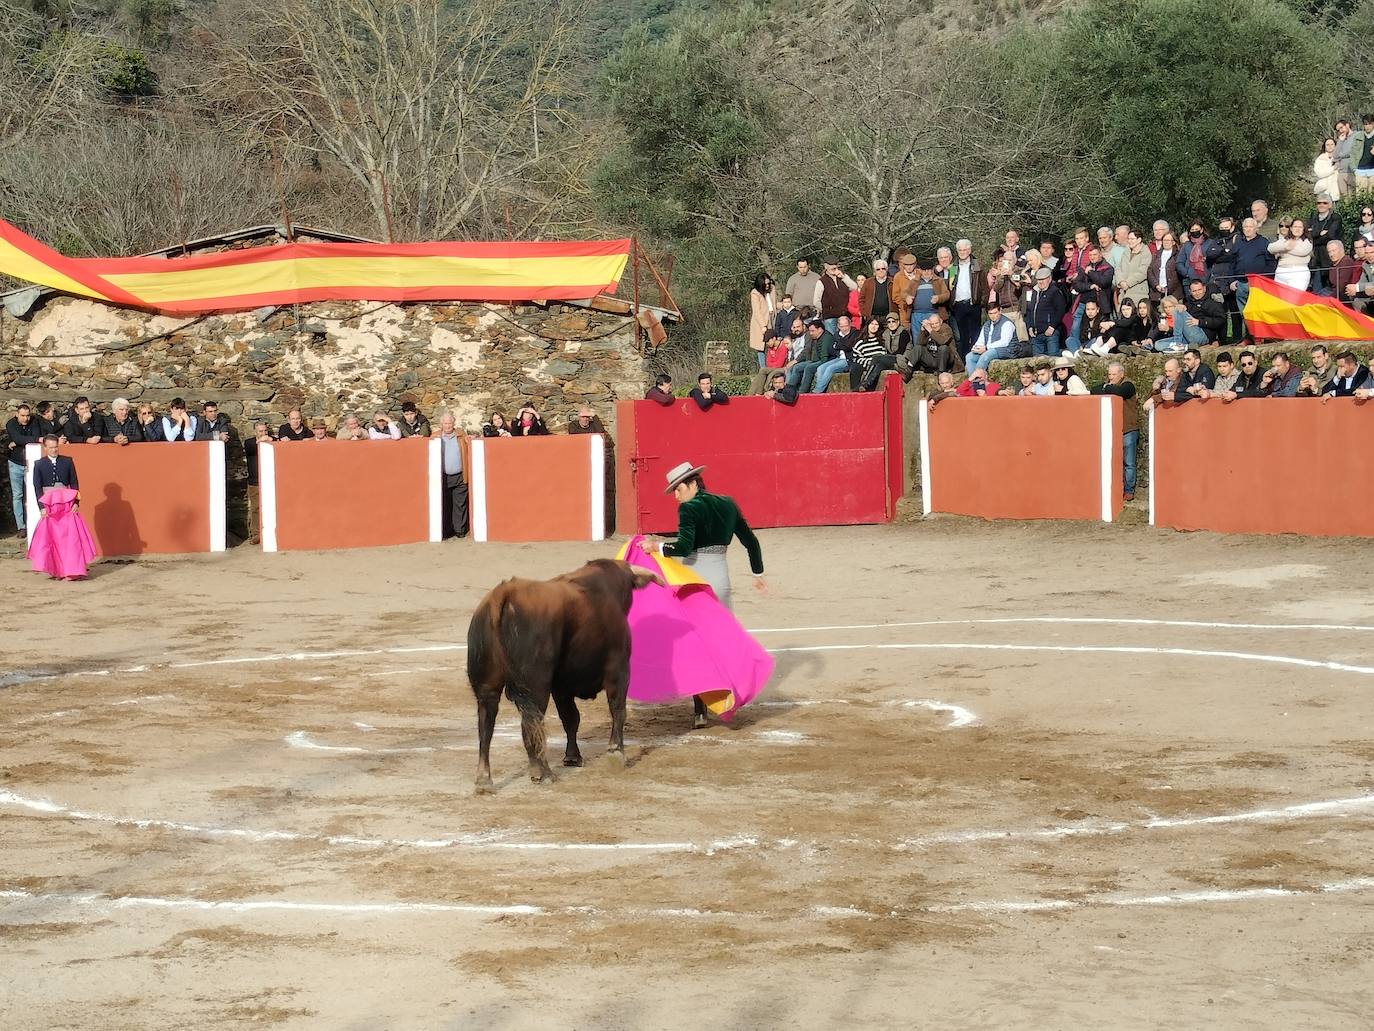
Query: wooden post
x,y
634,257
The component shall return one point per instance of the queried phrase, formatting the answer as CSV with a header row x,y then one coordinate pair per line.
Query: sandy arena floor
x,y
1119,780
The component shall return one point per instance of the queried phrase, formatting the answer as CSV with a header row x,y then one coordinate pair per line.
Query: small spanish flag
x,y
1277,312
297,273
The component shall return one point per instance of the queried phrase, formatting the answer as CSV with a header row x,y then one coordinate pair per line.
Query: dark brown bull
x,y
567,638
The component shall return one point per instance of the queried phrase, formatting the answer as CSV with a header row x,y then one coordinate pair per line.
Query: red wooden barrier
x,y
832,459
349,494
1023,457
145,499
1263,465
539,488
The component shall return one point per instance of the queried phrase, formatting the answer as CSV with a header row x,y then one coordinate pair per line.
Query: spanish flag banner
x,y
1277,312
297,273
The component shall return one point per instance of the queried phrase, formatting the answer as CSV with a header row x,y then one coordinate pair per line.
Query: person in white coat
x,y
1293,249
1326,177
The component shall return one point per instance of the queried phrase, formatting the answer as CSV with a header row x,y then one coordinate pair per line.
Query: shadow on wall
x,y
116,526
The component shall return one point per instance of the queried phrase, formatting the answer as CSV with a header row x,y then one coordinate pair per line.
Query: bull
x,y
567,638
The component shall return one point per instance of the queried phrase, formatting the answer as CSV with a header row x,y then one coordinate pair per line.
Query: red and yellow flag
x,y
296,273
1277,312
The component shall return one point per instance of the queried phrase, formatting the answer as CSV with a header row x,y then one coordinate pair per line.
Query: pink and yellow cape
x,y
61,545
684,642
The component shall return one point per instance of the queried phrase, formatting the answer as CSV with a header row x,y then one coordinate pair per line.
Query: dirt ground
x,y
236,791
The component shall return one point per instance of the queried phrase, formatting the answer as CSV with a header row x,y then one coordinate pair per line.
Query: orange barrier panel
x,y
539,488
146,499
1263,465
349,494
1022,457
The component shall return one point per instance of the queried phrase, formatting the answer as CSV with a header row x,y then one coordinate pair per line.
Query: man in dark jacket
x,y
1324,227
1350,377
1283,377
1250,382
1196,380
819,344
1094,280
1044,316
706,393
1206,310
1252,259
778,389
213,424
662,391
934,349
412,423
121,425
22,430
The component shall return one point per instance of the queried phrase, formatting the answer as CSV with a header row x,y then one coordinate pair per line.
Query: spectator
x,y
875,299
1250,381
1133,283
1282,378
1125,331
1313,382
1090,332
1326,228
1160,228
968,294
1163,273
294,428
819,343
834,294
1294,252
706,393
1104,243
1119,248
841,347
934,349
996,340
1026,380
587,421
804,285
1343,272
454,498
262,434
352,429
529,423
763,307
931,296
1047,256
496,426
1362,297
1252,258
1221,253
178,424
1364,156
83,426
782,318
22,430
1192,256
1066,380
121,425
978,385
1203,316
1011,243
1044,381
944,388
777,352
1365,230
1265,226
1119,386
1044,314
1167,387
46,413
383,428
896,339
213,425
662,390
1004,280
944,271
1197,379
1326,177
854,310
871,360
412,423
1344,157
149,425
778,389
1227,376
1350,379
319,430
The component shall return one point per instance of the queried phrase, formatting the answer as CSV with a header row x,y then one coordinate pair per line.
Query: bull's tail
x,y
530,650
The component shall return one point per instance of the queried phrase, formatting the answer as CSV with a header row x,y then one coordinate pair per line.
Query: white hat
x,y
1063,363
680,473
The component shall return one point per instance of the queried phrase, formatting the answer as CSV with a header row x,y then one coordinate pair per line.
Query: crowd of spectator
x,y
82,423
1120,290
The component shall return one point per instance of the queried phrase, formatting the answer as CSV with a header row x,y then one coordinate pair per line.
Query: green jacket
x,y
713,520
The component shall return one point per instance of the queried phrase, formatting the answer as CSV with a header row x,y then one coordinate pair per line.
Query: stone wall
x,y
328,359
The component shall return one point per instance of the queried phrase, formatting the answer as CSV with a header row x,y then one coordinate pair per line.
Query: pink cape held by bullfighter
x,y
683,642
61,545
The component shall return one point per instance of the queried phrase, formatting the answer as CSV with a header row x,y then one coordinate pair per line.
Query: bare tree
x,y
447,115
38,72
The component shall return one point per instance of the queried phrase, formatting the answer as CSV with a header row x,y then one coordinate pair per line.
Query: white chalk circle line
x,y
17,899
347,653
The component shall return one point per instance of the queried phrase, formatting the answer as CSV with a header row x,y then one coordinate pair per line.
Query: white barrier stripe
x,y
923,418
1151,456
1105,471
32,453
267,495
598,458
219,512
477,490
435,466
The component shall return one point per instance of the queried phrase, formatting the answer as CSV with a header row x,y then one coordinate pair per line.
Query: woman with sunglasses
x,y
1366,226
1192,256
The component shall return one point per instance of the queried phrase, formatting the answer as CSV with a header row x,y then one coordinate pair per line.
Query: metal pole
x,y
634,256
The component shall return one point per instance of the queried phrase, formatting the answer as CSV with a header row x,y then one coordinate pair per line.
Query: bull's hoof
x,y
572,760
483,787
616,756
541,777
699,721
